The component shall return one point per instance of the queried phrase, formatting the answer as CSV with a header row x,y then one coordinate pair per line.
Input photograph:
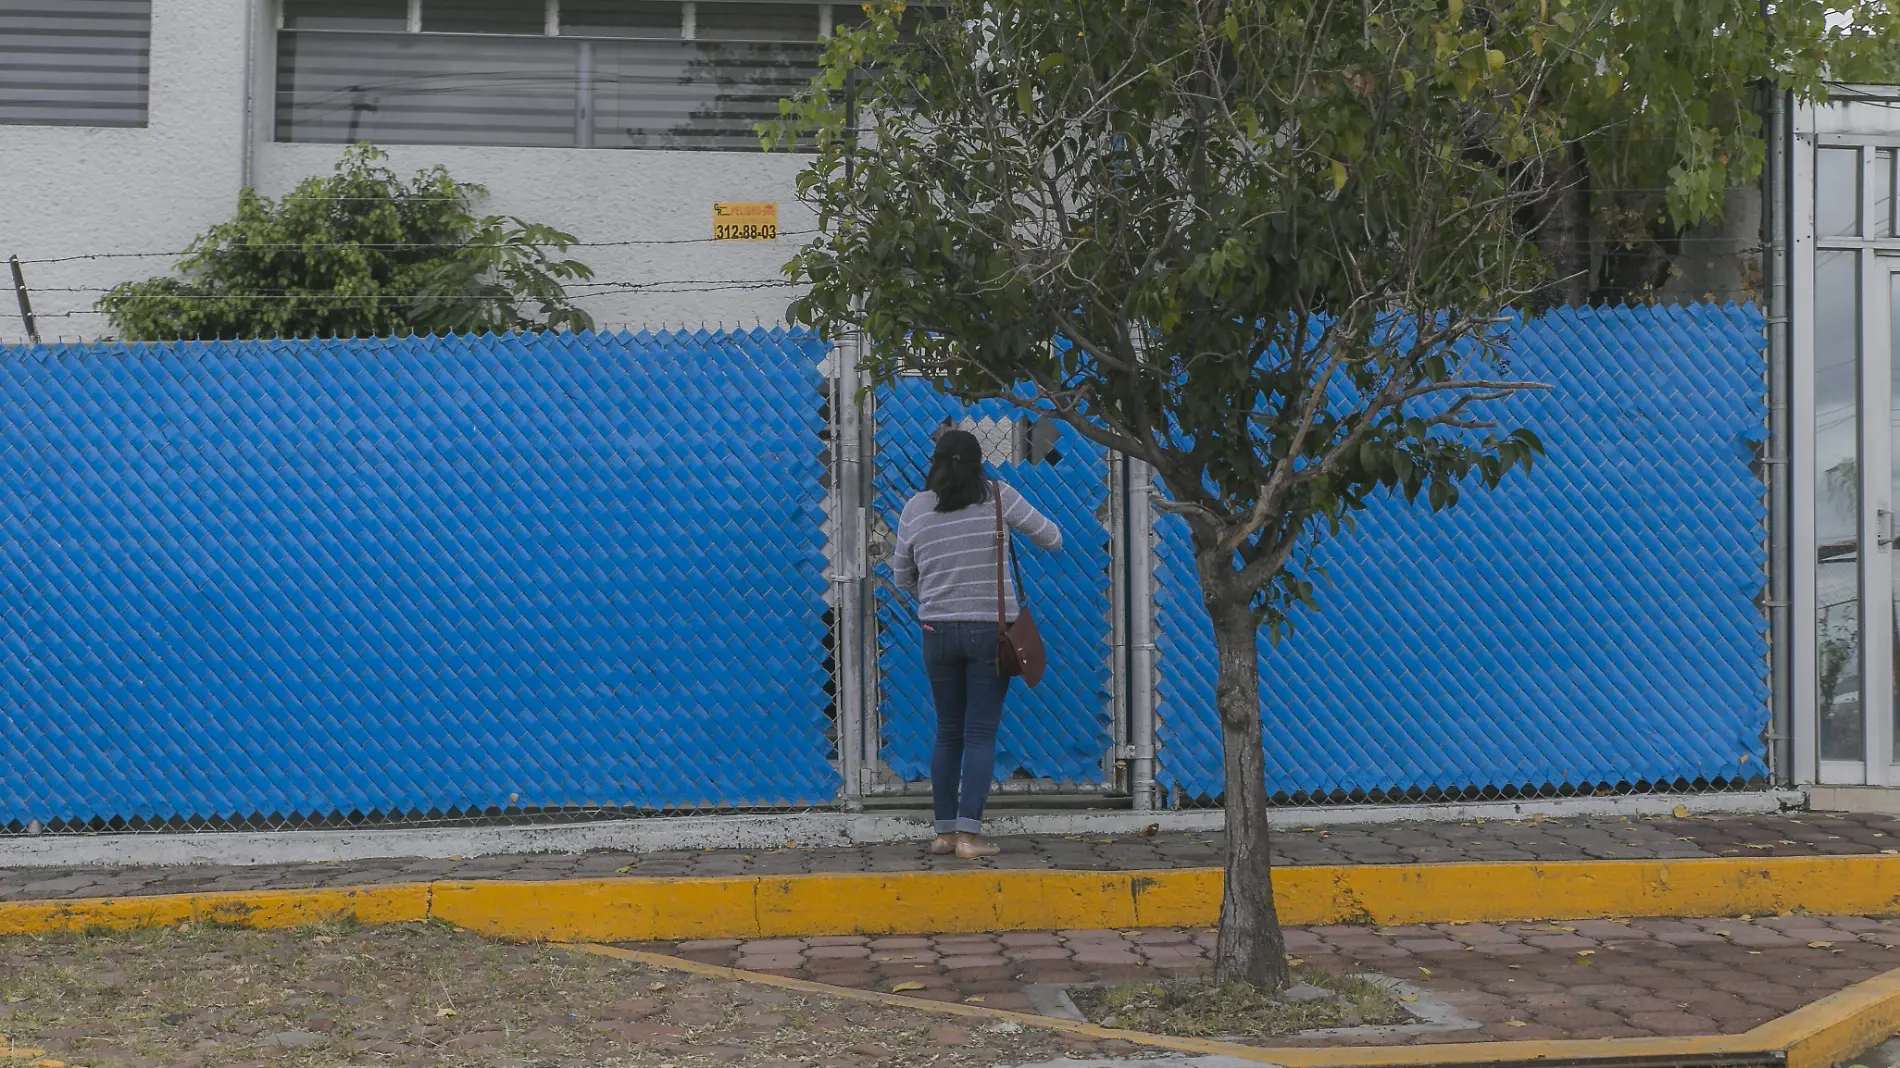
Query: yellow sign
x,y
746,222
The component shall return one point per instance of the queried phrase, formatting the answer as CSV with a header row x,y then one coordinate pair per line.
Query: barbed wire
x,y
300,246
710,283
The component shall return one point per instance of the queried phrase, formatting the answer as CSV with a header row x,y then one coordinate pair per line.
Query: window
x,y
1837,192
483,16
566,74
719,20
346,14
74,62
621,18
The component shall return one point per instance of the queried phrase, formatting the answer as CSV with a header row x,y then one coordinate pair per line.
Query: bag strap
x,y
1002,609
1005,546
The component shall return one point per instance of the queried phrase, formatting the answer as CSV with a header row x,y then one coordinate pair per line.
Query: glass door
x,y
1856,465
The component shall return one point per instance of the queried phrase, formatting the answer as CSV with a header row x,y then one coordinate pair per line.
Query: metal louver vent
x,y
74,62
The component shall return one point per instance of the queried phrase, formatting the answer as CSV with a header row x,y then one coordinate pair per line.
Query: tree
x,y
1270,247
1662,111
360,253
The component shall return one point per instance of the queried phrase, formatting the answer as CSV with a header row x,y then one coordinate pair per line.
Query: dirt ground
x,y
430,994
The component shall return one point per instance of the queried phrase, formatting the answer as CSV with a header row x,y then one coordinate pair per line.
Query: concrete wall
x,y
72,192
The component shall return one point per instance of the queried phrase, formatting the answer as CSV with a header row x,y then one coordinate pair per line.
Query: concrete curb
x,y
641,909
770,831
1817,1036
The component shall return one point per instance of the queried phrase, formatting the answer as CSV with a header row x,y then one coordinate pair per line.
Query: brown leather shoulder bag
x,y
1019,650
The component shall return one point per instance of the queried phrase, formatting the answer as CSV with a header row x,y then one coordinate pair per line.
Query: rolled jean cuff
x,y
967,826
948,826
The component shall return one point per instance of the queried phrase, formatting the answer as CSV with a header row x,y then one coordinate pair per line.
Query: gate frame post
x,y
1139,550
1133,755
849,567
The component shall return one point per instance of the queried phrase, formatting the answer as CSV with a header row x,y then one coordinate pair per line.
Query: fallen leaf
x,y
439,1013
1586,952
1408,997
1721,934
623,871
1515,1023
1820,945
1745,917
974,999
656,987
1294,962
1007,1027
1682,812
906,985
1754,952
1425,972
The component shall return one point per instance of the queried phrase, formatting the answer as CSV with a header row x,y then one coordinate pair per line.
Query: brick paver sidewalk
x,y
1588,979
1795,834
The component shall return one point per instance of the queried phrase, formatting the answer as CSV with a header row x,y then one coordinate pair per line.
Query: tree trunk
x,y
1251,948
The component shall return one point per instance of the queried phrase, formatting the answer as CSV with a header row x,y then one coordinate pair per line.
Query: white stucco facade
x,y
75,191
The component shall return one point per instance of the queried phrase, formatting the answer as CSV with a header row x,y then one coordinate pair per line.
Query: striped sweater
x,y
947,560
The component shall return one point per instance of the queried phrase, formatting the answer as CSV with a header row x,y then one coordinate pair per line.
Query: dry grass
x,y
1203,1008
427,994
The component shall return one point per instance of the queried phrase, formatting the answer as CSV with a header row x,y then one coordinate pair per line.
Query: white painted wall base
x,y
742,831
1884,800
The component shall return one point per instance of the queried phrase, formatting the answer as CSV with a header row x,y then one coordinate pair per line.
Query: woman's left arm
x,y
1041,531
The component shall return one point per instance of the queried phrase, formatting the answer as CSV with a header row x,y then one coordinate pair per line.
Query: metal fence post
x,y
1140,550
848,563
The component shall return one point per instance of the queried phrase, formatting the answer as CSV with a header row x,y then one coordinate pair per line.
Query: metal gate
x,y
1076,733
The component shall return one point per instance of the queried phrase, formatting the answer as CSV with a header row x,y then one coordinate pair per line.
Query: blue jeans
x,y
961,660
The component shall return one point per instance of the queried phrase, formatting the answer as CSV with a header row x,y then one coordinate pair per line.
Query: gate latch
x,y
1883,533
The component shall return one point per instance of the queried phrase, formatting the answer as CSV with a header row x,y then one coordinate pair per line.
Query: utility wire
x,y
307,246
314,297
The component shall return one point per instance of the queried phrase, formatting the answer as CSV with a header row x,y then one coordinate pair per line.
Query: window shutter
x,y
75,62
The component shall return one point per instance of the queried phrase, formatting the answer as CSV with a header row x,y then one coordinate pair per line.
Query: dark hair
x,y
956,472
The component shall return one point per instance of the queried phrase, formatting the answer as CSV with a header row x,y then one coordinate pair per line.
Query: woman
x,y
946,558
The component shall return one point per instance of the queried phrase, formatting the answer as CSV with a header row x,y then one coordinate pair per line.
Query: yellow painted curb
x,y
636,909
254,908
1816,1036
640,909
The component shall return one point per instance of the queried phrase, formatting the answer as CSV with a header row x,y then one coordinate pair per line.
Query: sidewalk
x,y
1795,834
1486,982
1511,982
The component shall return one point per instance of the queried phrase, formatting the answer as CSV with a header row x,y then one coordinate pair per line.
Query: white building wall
x,y
608,195
67,192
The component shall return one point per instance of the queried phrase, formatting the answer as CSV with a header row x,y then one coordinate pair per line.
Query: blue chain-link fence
x,y
412,576
475,575
1592,622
